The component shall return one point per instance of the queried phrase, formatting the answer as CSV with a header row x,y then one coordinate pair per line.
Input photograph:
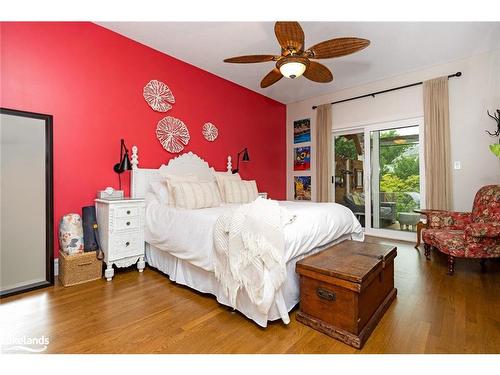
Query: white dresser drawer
x,y
133,222
125,245
121,228
127,211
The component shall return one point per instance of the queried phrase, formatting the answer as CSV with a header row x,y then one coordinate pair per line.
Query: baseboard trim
x,y
56,266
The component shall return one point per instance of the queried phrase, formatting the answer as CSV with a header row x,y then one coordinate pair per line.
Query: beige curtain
x,y
437,145
323,152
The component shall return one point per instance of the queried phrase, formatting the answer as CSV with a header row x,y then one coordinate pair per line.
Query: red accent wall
x,y
91,79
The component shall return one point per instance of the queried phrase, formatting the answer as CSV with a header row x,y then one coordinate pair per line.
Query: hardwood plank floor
x,y
147,313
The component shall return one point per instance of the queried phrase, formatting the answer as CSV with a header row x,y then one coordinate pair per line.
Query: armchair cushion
x,y
450,242
428,236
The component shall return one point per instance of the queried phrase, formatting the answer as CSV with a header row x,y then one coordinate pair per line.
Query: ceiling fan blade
x,y
272,77
318,72
290,35
251,59
337,47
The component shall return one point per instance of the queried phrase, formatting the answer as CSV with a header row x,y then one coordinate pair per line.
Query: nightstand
x,y
263,195
121,224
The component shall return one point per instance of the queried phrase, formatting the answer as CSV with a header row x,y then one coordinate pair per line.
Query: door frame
x,y
367,170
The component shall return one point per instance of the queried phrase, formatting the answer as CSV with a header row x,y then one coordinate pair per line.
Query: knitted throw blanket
x,y
249,251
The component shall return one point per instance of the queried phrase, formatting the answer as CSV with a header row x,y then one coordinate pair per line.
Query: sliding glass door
x,y
349,173
379,176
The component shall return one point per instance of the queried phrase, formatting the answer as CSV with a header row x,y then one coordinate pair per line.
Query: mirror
x,y
26,202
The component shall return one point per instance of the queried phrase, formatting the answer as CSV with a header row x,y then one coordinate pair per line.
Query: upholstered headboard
x,y
184,164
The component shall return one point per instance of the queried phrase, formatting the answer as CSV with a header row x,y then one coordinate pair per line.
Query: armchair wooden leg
x,y
420,225
451,265
427,251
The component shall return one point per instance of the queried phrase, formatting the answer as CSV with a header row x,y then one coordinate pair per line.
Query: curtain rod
x,y
457,74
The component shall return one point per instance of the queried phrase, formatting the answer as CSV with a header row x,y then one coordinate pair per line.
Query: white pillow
x,y
163,190
193,195
221,178
240,191
160,190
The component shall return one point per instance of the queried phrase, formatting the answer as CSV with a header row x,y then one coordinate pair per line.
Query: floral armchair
x,y
473,234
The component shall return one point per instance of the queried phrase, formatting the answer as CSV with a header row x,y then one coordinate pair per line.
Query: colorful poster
x,y
302,158
302,188
302,131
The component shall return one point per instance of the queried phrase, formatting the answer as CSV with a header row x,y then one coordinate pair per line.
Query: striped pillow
x,y
240,191
163,190
193,195
224,176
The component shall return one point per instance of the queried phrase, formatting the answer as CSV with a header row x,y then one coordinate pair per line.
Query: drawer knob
x,y
127,243
128,222
128,212
325,294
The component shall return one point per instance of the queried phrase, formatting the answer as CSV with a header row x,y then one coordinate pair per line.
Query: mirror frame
x,y
49,203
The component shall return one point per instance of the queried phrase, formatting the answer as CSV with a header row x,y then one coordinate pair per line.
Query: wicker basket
x,y
79,268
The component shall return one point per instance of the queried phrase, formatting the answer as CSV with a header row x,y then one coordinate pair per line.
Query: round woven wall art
x,y
158,96
173,134
210,131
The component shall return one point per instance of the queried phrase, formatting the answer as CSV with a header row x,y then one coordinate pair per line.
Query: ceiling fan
x,y
295,61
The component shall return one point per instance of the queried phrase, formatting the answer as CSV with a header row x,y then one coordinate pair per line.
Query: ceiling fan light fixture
x,y
292,67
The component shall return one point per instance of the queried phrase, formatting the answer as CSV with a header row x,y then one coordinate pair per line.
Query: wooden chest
x,y
345,289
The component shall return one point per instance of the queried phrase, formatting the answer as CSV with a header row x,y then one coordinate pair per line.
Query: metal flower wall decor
x,y
173,134
210,132
158,96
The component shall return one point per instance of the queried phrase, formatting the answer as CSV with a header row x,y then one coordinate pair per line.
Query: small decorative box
x,y
110,194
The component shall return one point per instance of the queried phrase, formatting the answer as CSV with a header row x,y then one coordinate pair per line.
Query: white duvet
x,y
188,234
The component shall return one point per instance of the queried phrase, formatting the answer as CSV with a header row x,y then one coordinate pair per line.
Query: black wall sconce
x,y
124,164
245,158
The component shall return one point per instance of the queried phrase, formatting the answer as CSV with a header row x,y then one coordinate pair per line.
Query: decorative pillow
x,y
358,199
240,191
160,190
193,195
221,178
163,190
71,234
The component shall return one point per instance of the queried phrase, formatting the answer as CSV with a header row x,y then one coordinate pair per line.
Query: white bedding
x,y
185,237
188,234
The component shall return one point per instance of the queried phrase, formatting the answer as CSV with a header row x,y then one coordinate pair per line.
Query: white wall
x,y
477,90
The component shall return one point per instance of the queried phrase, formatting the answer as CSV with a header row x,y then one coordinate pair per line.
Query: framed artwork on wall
x,y
302,158
302,131
302,188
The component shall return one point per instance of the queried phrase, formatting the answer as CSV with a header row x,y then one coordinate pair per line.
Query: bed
x,y
180,243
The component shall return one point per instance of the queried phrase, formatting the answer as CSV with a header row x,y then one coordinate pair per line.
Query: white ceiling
x,y
396,48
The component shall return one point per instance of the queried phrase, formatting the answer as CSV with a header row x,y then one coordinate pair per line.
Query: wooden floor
x,y
147,313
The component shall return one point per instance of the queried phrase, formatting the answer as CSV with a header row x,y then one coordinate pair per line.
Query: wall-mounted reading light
x,y
124,164
245,158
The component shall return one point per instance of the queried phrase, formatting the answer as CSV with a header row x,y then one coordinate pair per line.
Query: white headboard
x,y
184,164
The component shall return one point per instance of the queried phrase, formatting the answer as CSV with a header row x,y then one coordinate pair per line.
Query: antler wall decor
x,y
496,117
495,147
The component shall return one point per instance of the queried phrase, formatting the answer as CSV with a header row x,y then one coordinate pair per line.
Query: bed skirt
x,y
182,272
